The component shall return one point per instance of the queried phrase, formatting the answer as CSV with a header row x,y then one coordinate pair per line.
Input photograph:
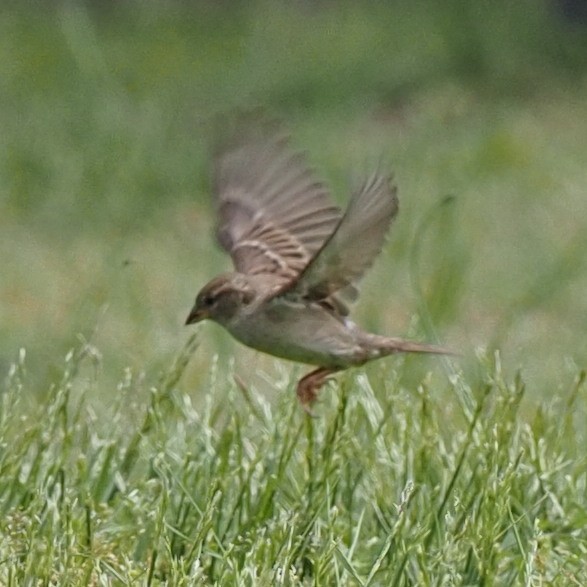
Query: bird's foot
x,y
309,385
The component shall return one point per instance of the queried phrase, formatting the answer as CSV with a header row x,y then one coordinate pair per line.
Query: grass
x,y
137,459
388,487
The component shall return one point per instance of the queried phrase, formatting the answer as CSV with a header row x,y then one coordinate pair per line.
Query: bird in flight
x,y
297,258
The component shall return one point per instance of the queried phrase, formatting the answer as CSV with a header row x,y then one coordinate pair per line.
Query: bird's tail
x,y
383,345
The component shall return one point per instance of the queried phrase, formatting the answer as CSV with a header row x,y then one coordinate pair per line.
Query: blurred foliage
x,y
115,99
107,111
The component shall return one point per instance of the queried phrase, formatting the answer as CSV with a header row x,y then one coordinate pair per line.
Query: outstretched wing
x,y
352,247
273,216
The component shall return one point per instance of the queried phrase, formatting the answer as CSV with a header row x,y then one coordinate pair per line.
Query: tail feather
x,y
383,345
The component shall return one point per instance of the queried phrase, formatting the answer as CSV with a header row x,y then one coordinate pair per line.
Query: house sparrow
x,y
297,259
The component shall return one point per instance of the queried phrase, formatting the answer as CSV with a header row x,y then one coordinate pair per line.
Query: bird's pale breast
x,y
301,332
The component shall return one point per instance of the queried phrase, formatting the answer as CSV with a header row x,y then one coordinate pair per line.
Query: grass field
x,y
129,456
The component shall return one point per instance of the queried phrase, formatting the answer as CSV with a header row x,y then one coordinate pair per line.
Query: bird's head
x,y
221,299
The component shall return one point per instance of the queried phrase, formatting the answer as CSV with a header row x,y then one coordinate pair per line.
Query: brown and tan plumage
x,y
296,258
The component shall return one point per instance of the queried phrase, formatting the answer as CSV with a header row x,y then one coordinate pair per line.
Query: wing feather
x,y
352,247
273,215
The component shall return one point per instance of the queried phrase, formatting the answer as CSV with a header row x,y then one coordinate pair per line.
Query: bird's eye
x,y
208,300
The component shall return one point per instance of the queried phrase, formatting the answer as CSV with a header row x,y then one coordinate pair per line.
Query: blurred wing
x,y
352,247
273,216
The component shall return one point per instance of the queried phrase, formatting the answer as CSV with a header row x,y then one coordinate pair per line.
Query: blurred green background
x,y
107,111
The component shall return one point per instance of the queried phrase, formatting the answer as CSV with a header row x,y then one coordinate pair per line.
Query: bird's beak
x,y
196,315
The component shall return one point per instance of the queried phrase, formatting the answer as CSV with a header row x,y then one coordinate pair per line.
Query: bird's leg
x,y
309,385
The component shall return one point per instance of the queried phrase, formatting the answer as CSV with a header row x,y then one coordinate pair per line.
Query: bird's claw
x,y
309,385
